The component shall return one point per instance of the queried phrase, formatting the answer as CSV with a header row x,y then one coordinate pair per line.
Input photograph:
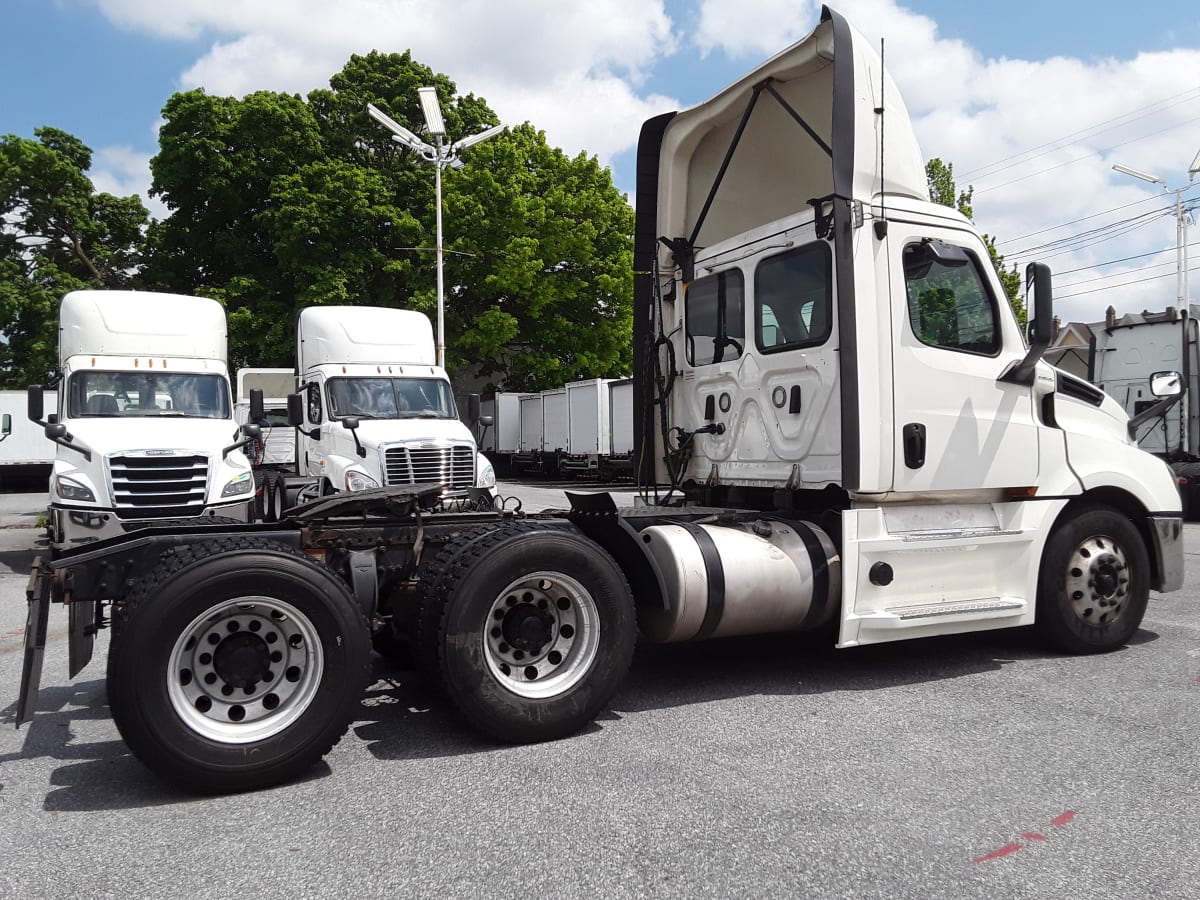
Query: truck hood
x,y
117,435
373,433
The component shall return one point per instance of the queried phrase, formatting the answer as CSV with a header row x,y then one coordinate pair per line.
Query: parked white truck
x,y
145,427
1122,356
26,457
827,376
377,410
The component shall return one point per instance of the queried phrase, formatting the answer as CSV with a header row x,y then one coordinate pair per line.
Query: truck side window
x,y
949,303
793,298
714,308
314,403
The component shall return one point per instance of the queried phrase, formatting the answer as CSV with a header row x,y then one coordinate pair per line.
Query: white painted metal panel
x,y
530,438
556,420
620,416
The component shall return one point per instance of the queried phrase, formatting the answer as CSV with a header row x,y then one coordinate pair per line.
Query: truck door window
x,y
793,298
949,303
714,309
314,403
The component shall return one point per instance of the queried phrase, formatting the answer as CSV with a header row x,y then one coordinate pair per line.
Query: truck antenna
x,y
881,222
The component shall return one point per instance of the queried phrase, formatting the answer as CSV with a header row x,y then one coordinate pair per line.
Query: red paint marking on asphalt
x,y
1065,818
996,854
17,633
1032,836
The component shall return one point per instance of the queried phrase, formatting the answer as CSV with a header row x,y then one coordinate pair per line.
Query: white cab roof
x,y
363,334
141,323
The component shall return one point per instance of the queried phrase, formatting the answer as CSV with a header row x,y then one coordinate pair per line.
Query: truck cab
x,y
145,426
815,338
377,410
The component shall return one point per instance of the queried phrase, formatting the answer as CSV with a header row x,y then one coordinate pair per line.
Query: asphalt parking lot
x,y
954,767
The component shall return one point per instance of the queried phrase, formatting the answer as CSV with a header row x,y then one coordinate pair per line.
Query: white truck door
x,y
956,426
760,359
310,458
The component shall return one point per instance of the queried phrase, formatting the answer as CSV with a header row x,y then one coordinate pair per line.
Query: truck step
x,y
954,610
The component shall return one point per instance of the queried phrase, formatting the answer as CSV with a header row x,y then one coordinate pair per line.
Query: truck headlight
x,y
360,481
487,474
242,484
70,489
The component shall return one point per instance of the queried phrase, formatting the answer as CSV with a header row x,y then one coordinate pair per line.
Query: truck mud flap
x,y
38,595
82,616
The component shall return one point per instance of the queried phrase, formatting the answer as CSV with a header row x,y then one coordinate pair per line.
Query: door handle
x,y
914,445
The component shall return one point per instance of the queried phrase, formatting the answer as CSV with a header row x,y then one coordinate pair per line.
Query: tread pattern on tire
x,y
178,558
462,549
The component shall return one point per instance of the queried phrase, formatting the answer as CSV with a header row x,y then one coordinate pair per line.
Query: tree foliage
x,y
58,234
943,190
279,202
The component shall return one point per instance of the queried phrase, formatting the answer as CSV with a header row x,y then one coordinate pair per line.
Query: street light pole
x,y
1181,224
440,155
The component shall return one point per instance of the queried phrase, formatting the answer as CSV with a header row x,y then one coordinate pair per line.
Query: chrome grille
x,y
451,466
148,486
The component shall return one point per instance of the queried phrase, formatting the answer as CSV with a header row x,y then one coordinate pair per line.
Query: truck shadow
x,y
410,719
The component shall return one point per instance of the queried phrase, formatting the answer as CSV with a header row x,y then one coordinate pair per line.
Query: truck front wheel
x,y
236,665
535,633
1094,583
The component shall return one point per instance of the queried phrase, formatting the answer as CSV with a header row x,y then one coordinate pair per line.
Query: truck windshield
x,y
391,398
112,394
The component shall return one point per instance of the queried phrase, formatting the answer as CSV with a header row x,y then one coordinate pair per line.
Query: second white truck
x,y
376,409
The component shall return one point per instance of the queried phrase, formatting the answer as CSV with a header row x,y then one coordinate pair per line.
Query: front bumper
x,y
1167,532
72,526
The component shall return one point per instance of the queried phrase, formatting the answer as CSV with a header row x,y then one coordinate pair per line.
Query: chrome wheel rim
x,y
1098,580
245,670
542,635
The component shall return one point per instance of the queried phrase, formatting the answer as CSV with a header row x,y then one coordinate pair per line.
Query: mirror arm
x,y
1161,408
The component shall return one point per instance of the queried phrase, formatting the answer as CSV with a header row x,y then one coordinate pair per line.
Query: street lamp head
x,y
1194,167
474,139
400,134
432,111
1125,170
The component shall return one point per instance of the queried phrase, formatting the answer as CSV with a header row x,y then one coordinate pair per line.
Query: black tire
x,y
298,695
1094,582
535,630
273,498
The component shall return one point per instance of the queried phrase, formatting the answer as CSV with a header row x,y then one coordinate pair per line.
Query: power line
x,y
1125,284
1058,143
1113,262
1089,238
1085,156
1146,268
1021,237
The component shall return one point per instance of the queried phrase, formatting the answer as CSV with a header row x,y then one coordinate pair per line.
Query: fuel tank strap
x,y
822,603
715,574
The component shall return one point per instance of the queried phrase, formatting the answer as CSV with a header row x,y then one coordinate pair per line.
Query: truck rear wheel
x,y
535,631
236,665
274,501
1094,583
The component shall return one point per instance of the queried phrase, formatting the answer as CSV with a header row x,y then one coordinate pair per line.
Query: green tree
x,y
942,189
279,203
59,235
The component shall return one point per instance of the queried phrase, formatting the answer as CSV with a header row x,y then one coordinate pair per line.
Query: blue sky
x,y
102,69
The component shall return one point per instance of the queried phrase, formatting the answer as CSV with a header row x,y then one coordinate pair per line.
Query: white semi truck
x,y
835,410
145,427
1122,356
376,410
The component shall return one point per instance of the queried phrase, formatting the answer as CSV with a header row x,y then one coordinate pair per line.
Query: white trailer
x,y
556,428
25,455
589,428
528,457
620,429
501,440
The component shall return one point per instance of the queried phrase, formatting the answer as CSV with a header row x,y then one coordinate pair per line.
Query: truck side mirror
x,y
1166,384
56,430
256,405
295,407
472,408
1041,330
486,421
1042,324
37,403
351,423
252,430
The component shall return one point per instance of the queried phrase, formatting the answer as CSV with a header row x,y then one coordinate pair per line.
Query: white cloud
x,y
571,68
122,171
984,115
